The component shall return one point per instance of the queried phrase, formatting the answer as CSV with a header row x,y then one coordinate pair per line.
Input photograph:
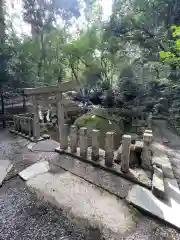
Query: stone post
x,y
83,142
18,123
25,126
149,121
73,138
36,125
21,124
146,151
29,127
64,137
15,123
95,144
31,123
126,146
60,114
109,148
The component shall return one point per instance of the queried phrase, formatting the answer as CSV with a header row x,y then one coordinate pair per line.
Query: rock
x,y
135,154
100,119
34,170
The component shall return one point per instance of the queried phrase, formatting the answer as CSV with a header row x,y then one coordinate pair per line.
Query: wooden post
x,y
60,114
64,137
73,138
126,144
109,148
95,144
83,141
36,125
146,151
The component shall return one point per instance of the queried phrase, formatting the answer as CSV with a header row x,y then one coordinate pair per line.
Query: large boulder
x,y
105,122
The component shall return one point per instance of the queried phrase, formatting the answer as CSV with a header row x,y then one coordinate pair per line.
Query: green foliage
x,y
173,55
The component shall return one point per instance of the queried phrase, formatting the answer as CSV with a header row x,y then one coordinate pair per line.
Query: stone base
x,y
137,175
166,210
85,204
32,139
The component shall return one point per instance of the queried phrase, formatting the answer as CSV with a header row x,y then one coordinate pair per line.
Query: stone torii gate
x,y
57,91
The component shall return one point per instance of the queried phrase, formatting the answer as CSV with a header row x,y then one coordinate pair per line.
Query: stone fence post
x,y
149,121
146,151
60,114
73,138
64,137
109,149
95,144
15,122
36,125
83,142
126,145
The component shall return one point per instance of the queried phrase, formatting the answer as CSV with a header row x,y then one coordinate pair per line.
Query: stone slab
x,y
46,146
158,183
172,192
5,167
97,176
86,204
136,175
145,201
34,170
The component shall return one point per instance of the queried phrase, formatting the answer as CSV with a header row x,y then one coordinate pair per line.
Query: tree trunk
x,y
2,26
2,108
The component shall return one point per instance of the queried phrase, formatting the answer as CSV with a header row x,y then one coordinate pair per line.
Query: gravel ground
x,y
23,216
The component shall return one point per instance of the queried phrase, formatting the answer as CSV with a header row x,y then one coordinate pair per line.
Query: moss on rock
x,y
105,122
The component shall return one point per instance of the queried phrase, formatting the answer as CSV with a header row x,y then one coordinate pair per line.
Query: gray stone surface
x,y
97,176
34,170
167,210
125,157
158,183
109,149
31,145
84,203
45,146
5,167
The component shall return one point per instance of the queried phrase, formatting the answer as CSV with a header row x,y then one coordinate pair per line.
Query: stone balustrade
x,y
23,125
74,139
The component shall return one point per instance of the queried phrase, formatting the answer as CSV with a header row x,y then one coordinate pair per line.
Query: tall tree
x,y
2,56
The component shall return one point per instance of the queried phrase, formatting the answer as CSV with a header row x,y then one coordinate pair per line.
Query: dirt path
x,y
162,130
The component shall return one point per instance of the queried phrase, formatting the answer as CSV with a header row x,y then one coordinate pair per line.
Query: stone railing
x,y
23,125
143,119
74,142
